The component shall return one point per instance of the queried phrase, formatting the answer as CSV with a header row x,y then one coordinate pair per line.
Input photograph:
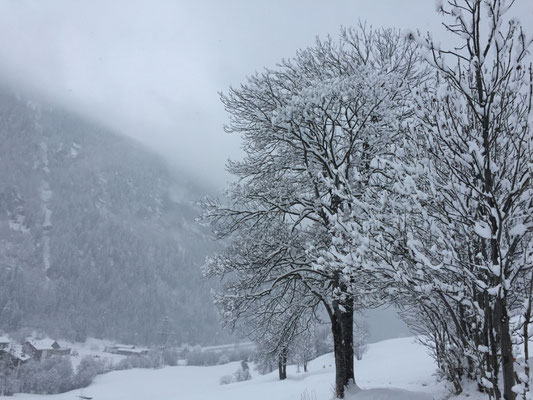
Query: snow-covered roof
x,y
129,348
124,346
18,352
44,344
132,350
4,339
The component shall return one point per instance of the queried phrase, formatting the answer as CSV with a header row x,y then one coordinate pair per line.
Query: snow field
x,y
398,369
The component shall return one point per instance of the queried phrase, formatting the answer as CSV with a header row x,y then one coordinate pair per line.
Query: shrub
x,y
50,376
87,370
224,359
151,360
202,358
170,357
226,380
8,383
55,375
196,356
243,373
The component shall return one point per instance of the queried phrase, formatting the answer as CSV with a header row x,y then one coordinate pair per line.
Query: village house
x,y
43,349
14,355
126,350
4,342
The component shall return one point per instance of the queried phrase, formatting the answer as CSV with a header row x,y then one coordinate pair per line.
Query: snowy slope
x,y
396,369
98,236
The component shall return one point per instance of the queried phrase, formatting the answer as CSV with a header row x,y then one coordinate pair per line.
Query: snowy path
x,y
394,369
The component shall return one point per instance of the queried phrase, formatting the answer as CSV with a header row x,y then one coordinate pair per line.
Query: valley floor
x,y
397,369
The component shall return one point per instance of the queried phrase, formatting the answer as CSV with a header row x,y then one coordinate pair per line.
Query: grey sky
x,y
152,69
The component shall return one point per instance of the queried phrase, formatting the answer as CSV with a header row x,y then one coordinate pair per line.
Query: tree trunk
x,y
527,317
340,370
490,340
342,330
282,365
506,348
347,335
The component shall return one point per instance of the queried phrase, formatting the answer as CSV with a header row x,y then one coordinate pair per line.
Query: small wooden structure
x,y
4,342
14,355
126,350
43,349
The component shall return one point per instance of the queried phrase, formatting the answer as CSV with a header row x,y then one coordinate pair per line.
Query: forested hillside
x,y
97,236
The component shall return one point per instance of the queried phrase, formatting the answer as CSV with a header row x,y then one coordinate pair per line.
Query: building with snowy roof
x,y
15,355
126,350
4,342
42,349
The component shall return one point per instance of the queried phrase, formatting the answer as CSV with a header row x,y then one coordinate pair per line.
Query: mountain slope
x,y
97,237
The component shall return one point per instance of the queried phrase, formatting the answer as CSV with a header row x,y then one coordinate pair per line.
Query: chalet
x,y
126,350
4,342
15,355
43,349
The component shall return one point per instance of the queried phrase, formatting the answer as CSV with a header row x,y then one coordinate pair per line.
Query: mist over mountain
x,y
97,236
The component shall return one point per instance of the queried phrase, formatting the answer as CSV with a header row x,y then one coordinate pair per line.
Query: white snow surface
x,y
94,348
398,369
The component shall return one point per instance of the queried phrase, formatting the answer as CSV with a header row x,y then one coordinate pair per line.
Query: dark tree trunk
x,y
347,335
506,347
488,339
493,339
342,330
340,370
282,365
525,334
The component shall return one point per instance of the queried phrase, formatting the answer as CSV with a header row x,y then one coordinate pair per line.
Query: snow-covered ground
x,y
397,369
92,347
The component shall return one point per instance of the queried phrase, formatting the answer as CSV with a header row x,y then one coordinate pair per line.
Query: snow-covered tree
x,y
312,130
464,200
361,338
266,298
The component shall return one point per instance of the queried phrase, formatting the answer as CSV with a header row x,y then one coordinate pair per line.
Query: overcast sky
x,y
151,69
